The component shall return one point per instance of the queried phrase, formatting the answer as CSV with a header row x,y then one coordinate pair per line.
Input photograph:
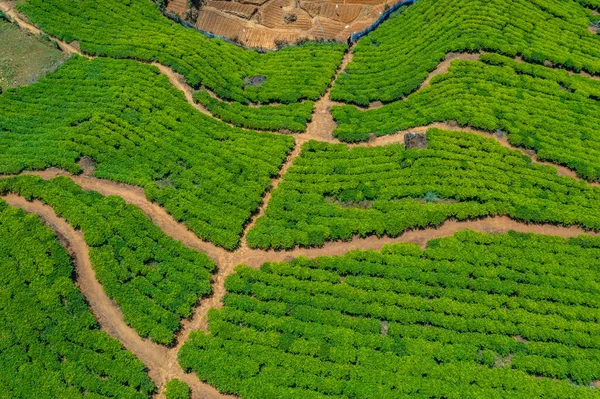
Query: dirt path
x,y
444,66
322,125
274,184
178,81
8,9
136,196
495,225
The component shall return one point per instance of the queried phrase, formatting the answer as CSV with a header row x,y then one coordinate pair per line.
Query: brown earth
x,y
322,124
265,23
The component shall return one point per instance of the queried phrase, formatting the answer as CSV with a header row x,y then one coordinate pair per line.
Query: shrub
x,y
177,389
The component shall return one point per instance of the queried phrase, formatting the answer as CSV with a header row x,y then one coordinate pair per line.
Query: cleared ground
x,y
267,23
25,57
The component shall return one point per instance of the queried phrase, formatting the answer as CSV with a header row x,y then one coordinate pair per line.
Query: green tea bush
x,y
155,280
140,130
292,117
51,345
332,192
395,59
177,389
472,316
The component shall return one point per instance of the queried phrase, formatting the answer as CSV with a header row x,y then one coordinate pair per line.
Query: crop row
x,y
52,346
155,280
290,117
140,130
313,329
334,193
539,108
395,59
136,29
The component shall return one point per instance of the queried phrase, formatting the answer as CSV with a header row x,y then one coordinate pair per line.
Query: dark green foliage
x,y
155,280
292,117
549,111
50,344
136,29
395,59
140,130
177,389
333,193
473,316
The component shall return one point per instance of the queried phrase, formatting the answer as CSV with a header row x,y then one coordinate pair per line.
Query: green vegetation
x,y
549,111
24,57
140,130
472,316
332,192
394,60
177,389
154,279
51,346
136,29
292,117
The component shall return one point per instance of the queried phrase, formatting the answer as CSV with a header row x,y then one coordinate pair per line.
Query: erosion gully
x,y
161,361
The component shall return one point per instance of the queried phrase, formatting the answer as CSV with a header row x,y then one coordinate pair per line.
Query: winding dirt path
x,y
178,81
8,9
161,363
444,66
322,125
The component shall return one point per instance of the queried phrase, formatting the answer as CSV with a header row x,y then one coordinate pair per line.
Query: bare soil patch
x,y
268,23
25,56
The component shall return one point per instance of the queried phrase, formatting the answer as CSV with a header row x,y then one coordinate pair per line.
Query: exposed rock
x,y
415,140
254,80
289,18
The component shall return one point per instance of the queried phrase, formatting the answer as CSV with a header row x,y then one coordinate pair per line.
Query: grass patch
x,y
25,57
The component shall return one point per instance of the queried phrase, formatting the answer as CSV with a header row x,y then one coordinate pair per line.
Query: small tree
x,y
161,5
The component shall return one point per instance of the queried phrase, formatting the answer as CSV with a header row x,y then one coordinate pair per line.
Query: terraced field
x,y
386,69
474,315
139,130
538,108
52,346
135,29
412,215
